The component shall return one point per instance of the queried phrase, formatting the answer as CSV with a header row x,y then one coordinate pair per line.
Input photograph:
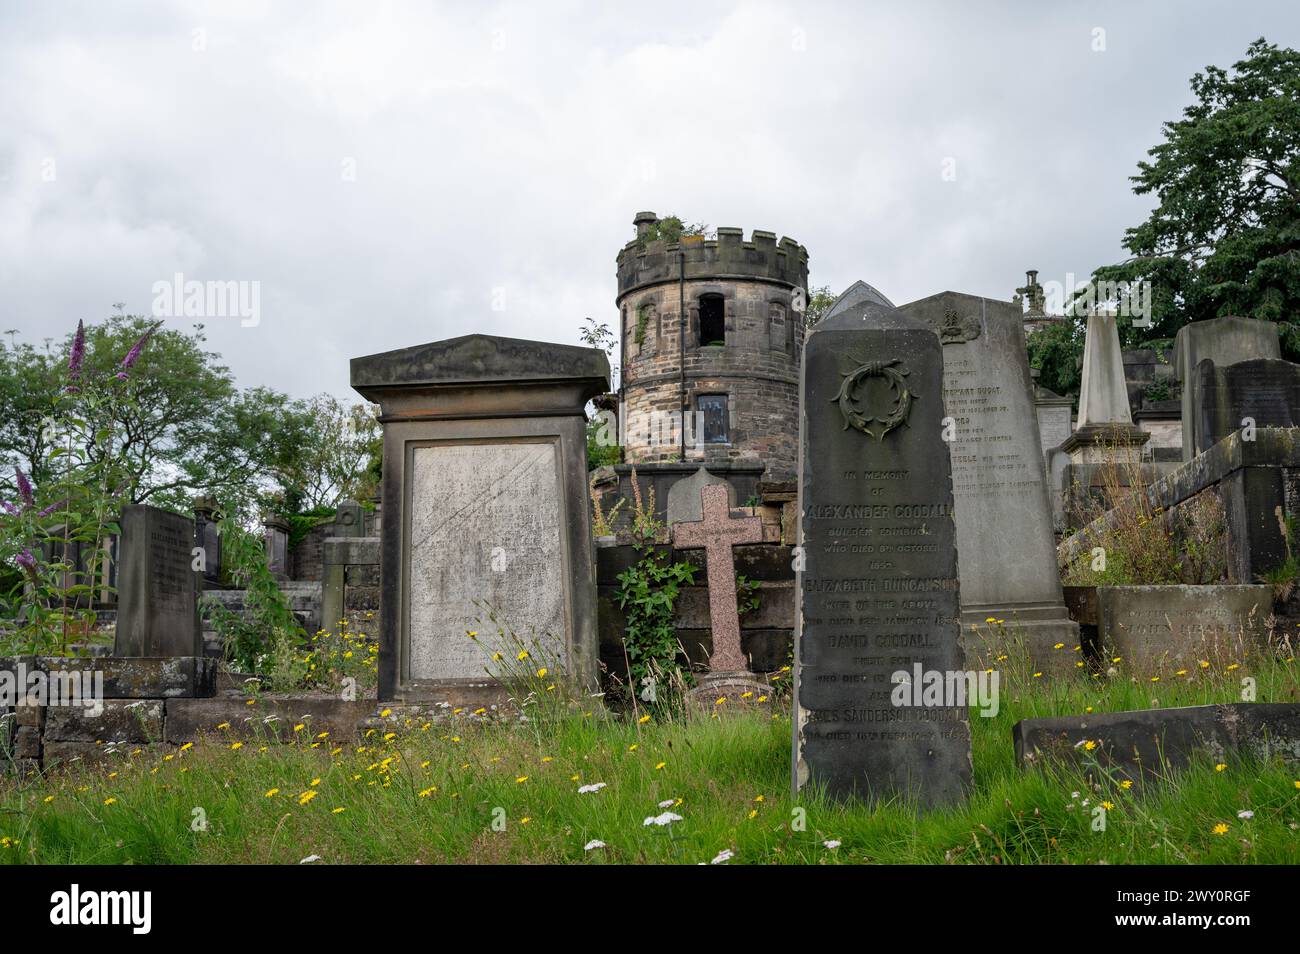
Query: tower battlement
x,y
643,262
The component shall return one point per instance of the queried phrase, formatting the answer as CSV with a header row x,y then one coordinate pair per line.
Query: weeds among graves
x,y
459,788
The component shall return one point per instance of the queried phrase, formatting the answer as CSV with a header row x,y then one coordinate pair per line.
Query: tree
x,y
165,419
182,428
819,302
1224,238
1056,350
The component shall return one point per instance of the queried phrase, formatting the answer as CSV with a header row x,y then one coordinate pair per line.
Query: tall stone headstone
x,y
275,535
1264,392
1224,341
1004,517
684,501
1055,417
1106,431
349,524
878,590
485,507
207,536
157,608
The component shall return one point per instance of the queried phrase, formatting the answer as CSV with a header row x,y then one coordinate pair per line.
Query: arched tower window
x,y
713,322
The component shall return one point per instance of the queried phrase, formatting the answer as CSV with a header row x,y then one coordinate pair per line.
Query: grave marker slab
x,y
1149,744
1224,341
1266,390
157,606
485,503
878,591
1004,516
1158,629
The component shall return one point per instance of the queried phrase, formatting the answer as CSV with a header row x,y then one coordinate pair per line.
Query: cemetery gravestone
x,y
717,532
1224,341
485,507
157,609
1003,512
207,536
1265,390
349,524
684,501
1159,629
878,590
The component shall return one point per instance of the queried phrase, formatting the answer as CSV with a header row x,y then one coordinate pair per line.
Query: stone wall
x,y
133,693
1256,480
766,634
305,558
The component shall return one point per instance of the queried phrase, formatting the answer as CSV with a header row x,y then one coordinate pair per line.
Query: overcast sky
x,y
392,174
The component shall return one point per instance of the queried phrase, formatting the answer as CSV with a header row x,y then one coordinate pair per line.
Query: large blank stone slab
x,y
485,499
485,529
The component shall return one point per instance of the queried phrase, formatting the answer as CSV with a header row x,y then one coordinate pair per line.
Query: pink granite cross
x,y
717,533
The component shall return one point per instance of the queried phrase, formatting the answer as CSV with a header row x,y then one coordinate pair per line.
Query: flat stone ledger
x,y
999,485
157,598
485,510
878,594
484,530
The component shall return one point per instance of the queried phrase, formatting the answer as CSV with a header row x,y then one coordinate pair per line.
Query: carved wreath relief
x,y
875,422
954,329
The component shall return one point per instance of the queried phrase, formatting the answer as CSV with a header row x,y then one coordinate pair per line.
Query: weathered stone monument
x,y
1262,392
275,535
1106,432
1004,517
157,607
684,504
717,532
485,506
1158,629
337,555
207,536
878,589
1224,341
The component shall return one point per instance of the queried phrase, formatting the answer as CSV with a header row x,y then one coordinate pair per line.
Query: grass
x,y
473,791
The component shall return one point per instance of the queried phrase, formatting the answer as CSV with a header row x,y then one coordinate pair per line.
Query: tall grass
x,y
470,789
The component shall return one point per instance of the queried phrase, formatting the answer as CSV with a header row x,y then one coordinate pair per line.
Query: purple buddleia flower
x,y
78,354
53,507
25,488
26,561
10,508
134,354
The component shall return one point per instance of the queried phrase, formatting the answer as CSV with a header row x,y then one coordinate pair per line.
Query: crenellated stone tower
x,y
734,377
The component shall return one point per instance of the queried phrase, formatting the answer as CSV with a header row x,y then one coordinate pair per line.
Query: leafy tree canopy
x,y
1224,237
185,428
